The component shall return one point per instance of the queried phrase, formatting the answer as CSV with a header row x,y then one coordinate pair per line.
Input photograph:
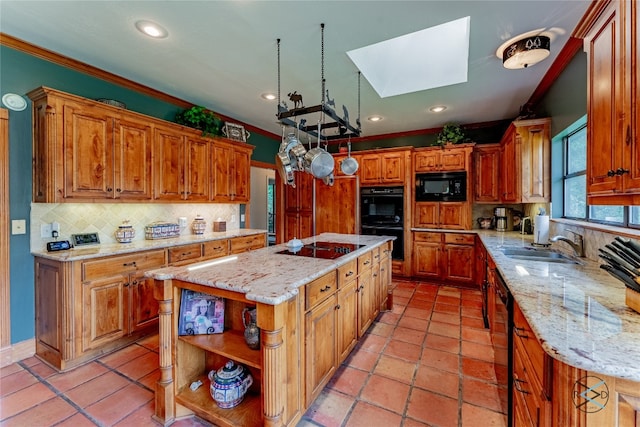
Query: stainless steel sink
x,y
538,255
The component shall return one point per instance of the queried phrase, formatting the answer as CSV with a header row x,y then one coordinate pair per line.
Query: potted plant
x,y
451,133
200,118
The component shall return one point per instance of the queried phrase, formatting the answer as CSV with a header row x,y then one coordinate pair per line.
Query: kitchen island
x,y
310,311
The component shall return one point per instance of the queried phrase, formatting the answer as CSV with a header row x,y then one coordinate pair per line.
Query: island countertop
x,y
264,275
577,311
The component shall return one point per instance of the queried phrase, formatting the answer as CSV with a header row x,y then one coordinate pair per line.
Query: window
x,y
575,187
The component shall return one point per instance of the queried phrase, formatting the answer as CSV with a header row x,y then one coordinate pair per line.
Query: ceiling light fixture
x,y
374,118
268,96
152,29
437,109
525,52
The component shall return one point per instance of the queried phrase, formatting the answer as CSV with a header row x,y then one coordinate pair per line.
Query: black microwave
x,y
441,187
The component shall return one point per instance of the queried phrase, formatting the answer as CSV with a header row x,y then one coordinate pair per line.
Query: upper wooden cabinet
x,y
383,167
85,150
486,169
448,158
613,151
526,162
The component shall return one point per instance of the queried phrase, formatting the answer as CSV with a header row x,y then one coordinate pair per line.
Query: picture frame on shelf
x,y
235,132
200,314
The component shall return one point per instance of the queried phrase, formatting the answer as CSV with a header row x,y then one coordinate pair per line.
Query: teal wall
x,y
20,73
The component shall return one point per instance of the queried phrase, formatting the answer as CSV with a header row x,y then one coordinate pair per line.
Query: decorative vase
x,y
229,384
251,330
125,232
198,225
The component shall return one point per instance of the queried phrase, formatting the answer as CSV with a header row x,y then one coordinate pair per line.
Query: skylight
x,y
429,58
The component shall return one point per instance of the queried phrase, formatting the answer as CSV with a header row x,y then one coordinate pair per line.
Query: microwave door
x,y
436,187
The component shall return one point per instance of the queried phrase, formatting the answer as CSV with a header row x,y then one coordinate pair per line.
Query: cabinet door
x,y
222,157
453,160
347,319
487,159
241,176
459,261
336,206
144,307
510,177
426,259
392,168
605,89
320,329
197,176
452,215
631,130
427,161
88,152
536,163
132,160
370,169
365,301
104,307
169,164
426,214
49,303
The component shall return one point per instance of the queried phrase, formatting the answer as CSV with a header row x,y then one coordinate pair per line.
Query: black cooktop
x,y
324,250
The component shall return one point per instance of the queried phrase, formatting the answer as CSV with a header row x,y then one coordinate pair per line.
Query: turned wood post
x,y
165,410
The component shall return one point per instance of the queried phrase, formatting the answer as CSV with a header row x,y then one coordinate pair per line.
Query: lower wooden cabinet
x,y
444,256
445,215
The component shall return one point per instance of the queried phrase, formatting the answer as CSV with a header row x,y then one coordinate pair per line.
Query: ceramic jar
x,y
229,384
125,232
198,225
251,330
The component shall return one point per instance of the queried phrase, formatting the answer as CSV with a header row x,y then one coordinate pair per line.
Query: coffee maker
x,y
503,219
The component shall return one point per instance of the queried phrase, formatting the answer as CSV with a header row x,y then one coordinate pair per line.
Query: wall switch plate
x,y
45,231
18,226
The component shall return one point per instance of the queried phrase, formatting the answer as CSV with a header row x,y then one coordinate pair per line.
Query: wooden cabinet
x,y
445,256
383,167
613,149
448,158
231,165
366,293
446,215
526,162
486,173
348,309
84,150
336,207
297,205
247,243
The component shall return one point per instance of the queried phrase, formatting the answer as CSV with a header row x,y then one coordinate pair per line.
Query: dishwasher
x,y
502,338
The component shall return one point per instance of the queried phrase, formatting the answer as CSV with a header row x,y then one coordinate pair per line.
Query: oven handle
x,y
382,227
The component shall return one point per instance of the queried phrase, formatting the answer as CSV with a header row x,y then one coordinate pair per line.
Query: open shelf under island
x,y
313,304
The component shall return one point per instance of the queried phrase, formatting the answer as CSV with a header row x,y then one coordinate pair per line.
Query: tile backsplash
x,y
104,218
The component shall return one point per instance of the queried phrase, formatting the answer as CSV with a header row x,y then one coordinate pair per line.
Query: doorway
x,y
263,201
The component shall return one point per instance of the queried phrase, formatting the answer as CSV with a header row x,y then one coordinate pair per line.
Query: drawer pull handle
x,y
517,386
520,332
367,262
325,289
350,273
129,264
186,253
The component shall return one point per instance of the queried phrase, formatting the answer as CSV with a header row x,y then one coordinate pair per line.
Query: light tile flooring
x,y
428,362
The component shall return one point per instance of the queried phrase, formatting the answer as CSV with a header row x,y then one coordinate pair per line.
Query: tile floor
x,y
428,362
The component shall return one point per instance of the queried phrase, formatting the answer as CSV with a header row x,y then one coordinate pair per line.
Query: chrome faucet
x,y
577,244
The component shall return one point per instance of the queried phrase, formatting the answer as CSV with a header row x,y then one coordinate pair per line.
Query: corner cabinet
x,y
613,152
84,150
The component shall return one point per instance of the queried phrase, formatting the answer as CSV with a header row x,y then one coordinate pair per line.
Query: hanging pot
x,y
349,166
318,162
284,168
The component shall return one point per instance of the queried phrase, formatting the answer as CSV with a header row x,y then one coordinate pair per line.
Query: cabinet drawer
x,y
320,289
427,237
364,262
526,388
524,336
375,255
215,248
347,272
122,264
246,243
460,239
385,250
185,253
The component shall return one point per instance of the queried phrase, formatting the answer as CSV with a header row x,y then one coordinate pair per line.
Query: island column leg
x,y
272,321
165,410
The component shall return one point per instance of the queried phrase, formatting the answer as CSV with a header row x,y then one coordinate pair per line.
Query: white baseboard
x,y
16,352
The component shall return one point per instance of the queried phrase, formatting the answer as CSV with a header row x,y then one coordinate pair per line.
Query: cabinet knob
x,y
109,189
118,190
350,273
129,264
520,332
611,173
338,307
325,289
621,171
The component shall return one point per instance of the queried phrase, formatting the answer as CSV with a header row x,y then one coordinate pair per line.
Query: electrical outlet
x,y
45,231
55,226
233,218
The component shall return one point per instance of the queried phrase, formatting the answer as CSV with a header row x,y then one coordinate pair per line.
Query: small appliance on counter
x,y
503,219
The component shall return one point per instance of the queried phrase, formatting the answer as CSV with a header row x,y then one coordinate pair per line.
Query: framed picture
x,y
236,132
200,314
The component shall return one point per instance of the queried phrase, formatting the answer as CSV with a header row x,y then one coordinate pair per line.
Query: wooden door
x,y
337,206
392,168
88,152
132,159
453,215
365,291
604,89
169,151
487,159
197,173
426,214
144,306
241,176
459,261
427,259
631,160
320,328
347,319
370,169
222,157
104,311
510,166
536,162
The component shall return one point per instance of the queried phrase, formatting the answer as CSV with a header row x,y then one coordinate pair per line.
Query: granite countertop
x,y
100,250
577,311
265,276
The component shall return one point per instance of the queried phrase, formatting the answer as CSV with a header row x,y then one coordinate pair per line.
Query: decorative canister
x,y
125,232
198,225
251,330
229,384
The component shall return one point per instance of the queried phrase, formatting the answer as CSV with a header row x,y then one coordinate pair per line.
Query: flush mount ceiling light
x,y
14,102
524,51
268,96
437,108
374,118
152,29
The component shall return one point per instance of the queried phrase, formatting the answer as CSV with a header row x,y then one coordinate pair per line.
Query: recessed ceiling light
x,y
437,108
152,29
268,96
374,118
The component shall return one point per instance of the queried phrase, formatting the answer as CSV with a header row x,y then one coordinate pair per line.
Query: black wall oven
x,y
382,214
